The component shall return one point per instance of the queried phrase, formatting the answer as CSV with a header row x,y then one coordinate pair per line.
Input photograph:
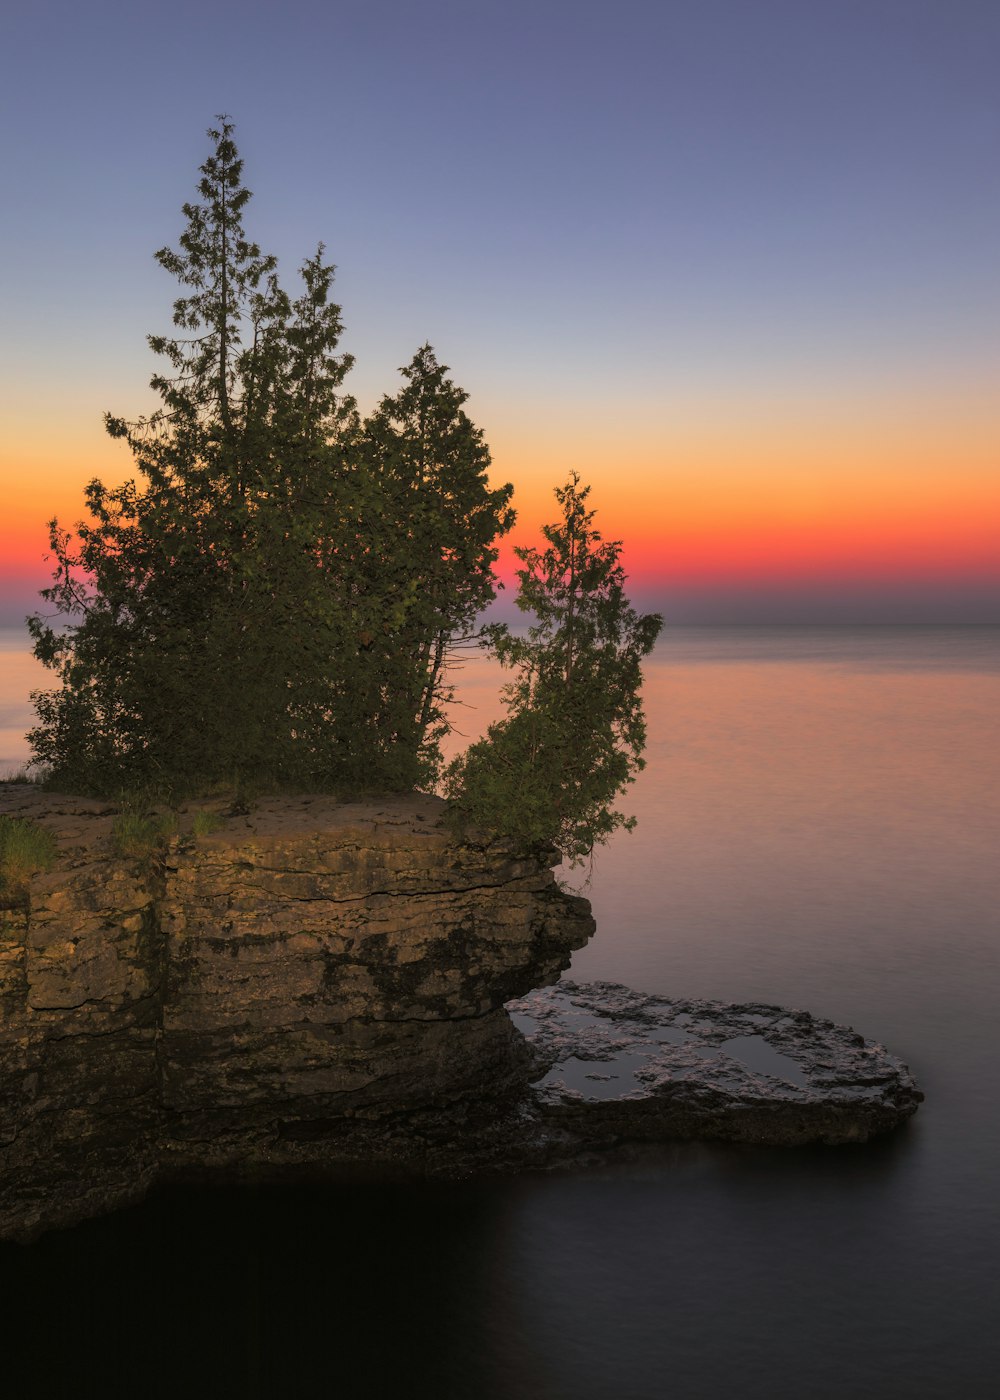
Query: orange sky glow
x,y
697,515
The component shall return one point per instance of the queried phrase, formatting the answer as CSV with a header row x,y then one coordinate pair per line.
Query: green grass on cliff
x,y
205,822
138,835
25,849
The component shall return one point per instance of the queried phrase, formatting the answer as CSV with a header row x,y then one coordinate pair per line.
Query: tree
x,y
575,730
431,463
250,608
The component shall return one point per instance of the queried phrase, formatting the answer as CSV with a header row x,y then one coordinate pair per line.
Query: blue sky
x,y
623,226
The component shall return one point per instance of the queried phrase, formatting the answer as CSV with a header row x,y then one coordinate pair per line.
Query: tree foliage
x,y
440,528
273,599
574,733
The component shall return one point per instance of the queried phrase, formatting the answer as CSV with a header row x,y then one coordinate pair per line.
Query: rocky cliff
x,y
314,983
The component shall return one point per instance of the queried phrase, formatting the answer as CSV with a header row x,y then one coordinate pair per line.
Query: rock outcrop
x,y
321,986
614,1066
313,983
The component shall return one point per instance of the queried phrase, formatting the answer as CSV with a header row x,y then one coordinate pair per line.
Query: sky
x,y
737,262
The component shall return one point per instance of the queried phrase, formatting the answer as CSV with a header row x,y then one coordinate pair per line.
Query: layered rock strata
x,y
312,983
321,986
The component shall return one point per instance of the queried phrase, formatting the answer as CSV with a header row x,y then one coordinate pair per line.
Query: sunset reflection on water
x,y
818,825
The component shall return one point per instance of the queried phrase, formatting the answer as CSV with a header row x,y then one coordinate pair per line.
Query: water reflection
x,y
818,828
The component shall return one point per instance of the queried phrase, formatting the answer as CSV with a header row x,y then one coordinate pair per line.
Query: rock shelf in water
x,y
321,986
618,1065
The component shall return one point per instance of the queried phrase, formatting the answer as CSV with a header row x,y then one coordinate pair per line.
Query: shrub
x,y
574,734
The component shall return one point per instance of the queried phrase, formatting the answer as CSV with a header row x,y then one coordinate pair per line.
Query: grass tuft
x,y
137,835
205,822
25,849
20,775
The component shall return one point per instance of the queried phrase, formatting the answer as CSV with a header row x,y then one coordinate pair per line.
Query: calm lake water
x,y
818,827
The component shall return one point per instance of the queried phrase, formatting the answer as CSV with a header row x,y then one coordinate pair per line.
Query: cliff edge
x,y
313,983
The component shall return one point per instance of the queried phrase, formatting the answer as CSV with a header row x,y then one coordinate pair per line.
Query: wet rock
x,y
613,1065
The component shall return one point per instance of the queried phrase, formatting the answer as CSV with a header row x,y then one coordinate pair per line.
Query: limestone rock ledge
x,y
314,983
614,1066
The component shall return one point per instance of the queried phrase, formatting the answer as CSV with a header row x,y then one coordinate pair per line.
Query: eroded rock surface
x,y
310,984
617,1065
320,986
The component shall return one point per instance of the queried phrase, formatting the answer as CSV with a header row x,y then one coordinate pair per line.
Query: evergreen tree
x,y
431,463
180,665
250,610
575,730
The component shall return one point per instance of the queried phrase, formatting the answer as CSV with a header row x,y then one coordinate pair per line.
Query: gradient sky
x,y
736,261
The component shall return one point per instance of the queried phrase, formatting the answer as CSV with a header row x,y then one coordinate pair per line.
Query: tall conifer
x,y
266,603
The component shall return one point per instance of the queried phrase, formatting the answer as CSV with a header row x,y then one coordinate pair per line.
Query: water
x,y
819,826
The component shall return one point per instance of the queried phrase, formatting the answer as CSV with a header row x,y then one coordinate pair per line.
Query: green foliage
x,y
272,602
575,730
275,600
205,822
25,849
434,563
138,834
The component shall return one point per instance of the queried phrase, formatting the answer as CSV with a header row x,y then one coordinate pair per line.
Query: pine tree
x,y
575,730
